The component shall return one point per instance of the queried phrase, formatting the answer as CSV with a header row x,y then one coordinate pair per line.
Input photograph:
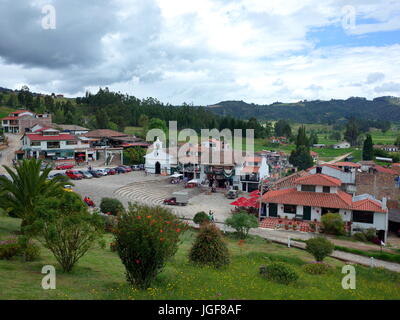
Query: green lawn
x,y
5,111
100,275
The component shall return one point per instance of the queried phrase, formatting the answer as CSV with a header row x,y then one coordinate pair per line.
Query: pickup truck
x,y
178,198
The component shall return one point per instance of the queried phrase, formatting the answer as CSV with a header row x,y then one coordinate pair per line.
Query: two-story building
x,y
317,194
253,170
51,144
21,120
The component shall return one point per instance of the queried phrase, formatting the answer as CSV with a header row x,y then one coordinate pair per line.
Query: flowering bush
x,y
145,238
111,206
9,248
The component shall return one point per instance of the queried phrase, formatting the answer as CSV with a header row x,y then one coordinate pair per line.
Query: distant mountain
x,y
382,108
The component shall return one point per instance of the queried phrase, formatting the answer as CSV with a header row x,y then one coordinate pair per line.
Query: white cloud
x,y
203,51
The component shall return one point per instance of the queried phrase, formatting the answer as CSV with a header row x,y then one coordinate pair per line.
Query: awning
x,y
176,175
239,202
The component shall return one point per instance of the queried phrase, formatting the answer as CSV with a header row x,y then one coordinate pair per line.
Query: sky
x,y
203,52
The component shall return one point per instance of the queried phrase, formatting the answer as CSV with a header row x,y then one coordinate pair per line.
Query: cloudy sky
x,y
204,51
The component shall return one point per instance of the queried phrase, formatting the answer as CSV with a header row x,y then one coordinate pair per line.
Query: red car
x,y
74,175
170,201
64,166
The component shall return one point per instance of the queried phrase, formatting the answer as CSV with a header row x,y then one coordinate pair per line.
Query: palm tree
x,y
26,185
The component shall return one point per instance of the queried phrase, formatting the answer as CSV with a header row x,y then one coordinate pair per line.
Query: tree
x,y
397,142
282,128
368,149
242,222
156,123
102,119
352,132
66,228
300,157
146,237
26,186
332,223
313,138
112,206
336,135
209,248
319,247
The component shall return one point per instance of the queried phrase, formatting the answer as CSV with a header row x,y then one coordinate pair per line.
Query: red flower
x,y
161,231
148,217
178,230
139,217
162,239
137,261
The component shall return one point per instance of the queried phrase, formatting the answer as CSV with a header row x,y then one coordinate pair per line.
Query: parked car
x,y
110,171
64,166
135,167
86,174
101,172
127,168
232,194
95,174
141,166
51,176
74,175
120,170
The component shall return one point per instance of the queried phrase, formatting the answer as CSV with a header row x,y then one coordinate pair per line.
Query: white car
x,y
102,172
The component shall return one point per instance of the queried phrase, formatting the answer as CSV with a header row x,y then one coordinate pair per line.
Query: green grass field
x,y
5,111
100,275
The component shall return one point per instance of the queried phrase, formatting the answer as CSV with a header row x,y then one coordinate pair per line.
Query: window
x,y
326,189
288,208
35,143
307,188
70,143
363,216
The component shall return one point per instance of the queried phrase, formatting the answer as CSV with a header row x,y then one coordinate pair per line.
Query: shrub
x,y
209,247
146,237
319,247
281,273
316,268
370,234
67,229
332,223
360,236
242,222
200,218
111,205
9,248
30,252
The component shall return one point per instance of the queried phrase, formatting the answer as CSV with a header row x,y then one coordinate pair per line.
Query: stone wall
x,y
378,184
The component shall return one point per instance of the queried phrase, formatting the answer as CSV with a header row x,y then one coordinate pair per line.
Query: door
x,y
158,168
306,213
273,210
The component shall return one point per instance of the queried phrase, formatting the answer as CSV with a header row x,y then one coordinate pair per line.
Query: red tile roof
x,y
9,118
368,205
104,133
385,170
324,165
319,180
60,137
339,200
20,111
347,164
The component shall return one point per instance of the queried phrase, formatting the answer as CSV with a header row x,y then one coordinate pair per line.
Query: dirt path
x,y
339,158
8,154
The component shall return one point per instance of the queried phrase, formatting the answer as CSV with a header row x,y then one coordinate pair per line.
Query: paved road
x,y
8,154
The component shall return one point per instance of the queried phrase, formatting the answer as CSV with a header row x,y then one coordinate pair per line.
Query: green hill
x,y
317,111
